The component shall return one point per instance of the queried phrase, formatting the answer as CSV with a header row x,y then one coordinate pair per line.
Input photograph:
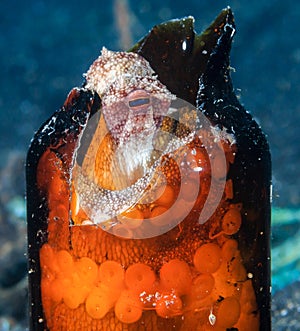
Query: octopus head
x,y
134,101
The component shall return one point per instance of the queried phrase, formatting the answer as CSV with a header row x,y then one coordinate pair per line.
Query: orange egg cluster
x,y
231,222
211,286
216,282
220,288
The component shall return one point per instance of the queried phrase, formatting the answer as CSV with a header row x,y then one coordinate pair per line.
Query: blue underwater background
x,y
46,46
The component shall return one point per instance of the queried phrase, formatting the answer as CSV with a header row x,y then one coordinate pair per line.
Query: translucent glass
x,y
149,197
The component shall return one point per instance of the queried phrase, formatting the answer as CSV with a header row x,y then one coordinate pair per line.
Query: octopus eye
x,y
140,102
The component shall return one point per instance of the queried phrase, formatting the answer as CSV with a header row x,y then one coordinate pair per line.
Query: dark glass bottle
x,y
148,194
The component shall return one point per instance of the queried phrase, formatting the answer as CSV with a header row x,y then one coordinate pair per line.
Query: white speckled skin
x,y
113,75
134,103
133,99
